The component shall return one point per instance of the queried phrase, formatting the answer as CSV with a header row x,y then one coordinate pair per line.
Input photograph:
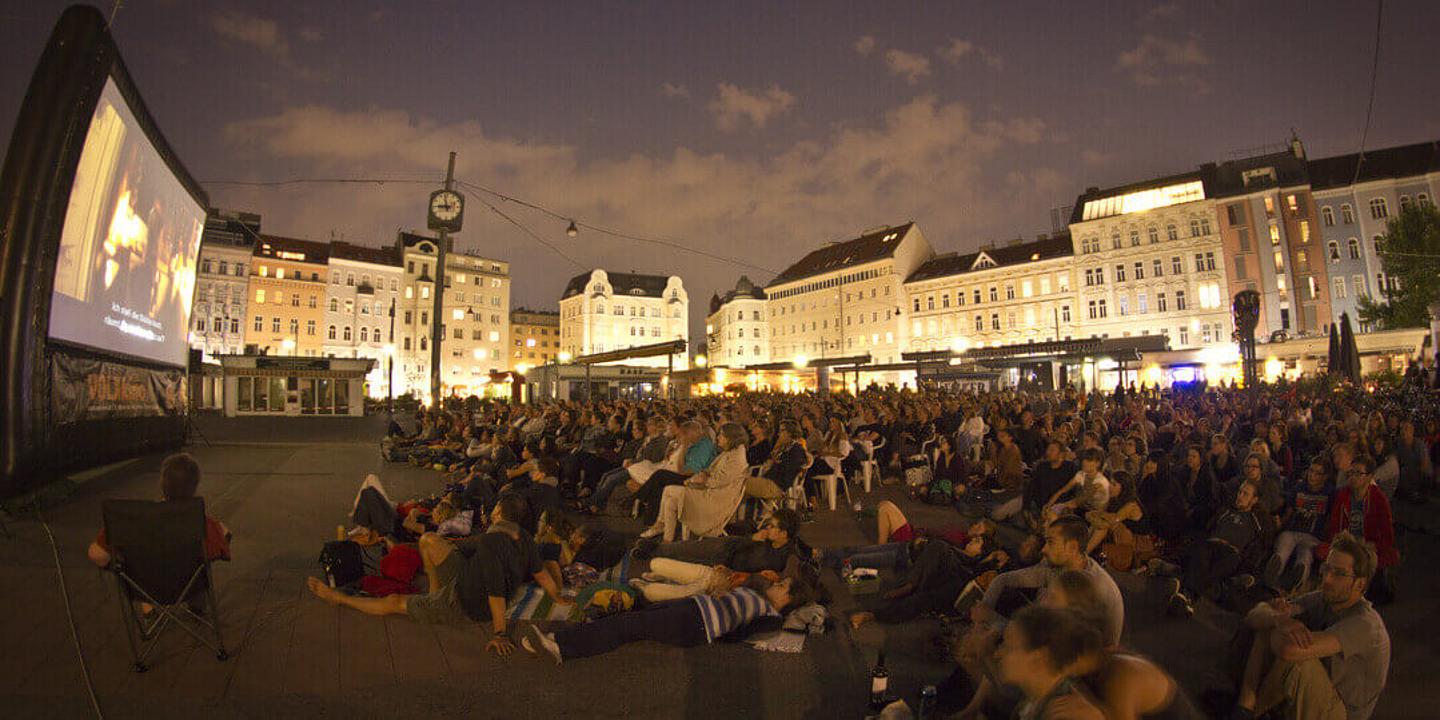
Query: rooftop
x,y
1392,162
295,249
623,284
1002,256
340,250
867,248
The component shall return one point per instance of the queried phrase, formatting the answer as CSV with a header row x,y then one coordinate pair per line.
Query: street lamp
x,y
701,361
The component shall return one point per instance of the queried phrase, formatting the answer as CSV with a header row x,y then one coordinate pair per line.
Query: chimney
x,y
1296,147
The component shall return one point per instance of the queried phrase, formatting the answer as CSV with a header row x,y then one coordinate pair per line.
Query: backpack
x,y
340,559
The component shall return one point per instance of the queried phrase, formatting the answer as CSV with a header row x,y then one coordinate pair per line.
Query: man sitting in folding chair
x,y
161,554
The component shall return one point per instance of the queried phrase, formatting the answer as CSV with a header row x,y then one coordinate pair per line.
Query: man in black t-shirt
x,y
475,581
1219,557
1046,479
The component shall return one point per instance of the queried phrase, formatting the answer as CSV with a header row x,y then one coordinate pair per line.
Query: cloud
x,y
672,90
924,160
1096,157
1164,10
1161,60
959,49
734,105
910,65
311,35
260,33
865,45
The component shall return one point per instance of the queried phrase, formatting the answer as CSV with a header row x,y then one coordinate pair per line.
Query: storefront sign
x,y
293,363
90,389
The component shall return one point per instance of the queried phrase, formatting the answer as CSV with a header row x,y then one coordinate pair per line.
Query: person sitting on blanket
x,y
775,545
688,622
1064,549
470,581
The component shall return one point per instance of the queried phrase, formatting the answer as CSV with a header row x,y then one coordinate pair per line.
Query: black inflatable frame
x,y
35,188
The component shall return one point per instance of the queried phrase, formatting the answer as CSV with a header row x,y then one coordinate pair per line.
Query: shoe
x,y
640,583
536,641
652,531
1273,568
1180,606
651,577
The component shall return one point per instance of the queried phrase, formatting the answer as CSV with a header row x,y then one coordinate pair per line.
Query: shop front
x,y
294,386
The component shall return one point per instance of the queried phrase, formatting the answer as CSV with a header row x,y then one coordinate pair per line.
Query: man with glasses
x,y
1326,654
1271,499
1362,509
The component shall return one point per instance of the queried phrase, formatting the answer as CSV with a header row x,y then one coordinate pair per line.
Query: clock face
x,y
445,205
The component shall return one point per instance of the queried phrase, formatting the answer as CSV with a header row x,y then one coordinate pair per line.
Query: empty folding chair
x,y
157,553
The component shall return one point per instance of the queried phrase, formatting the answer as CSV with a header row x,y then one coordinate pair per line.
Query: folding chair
x,y
158,556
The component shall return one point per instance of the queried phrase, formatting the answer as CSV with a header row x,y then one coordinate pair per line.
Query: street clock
x,y
447,210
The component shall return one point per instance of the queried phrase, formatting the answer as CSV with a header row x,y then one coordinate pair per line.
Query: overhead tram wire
x,y
529,232
332,181
615,233
1370,106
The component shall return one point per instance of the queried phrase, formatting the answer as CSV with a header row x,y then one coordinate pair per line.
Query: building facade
x,y
288,279
737,330
1356,200
364,287
1271,231
602,311
1149,261
1016,293
475,320
222,284
847,298
534,338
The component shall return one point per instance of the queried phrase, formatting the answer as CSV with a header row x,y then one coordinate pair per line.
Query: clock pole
x,y
437,330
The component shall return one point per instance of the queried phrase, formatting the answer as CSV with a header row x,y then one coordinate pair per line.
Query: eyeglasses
x,y
1328,569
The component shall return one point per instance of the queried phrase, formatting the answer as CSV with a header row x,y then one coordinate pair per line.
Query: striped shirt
x,y
726,613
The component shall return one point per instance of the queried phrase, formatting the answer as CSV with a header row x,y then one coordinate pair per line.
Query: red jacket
x,y
1379,524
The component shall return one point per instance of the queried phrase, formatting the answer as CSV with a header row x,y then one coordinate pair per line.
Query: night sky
x,y
754,130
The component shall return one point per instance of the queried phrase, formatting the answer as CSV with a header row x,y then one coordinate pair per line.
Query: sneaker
x,y
652,531
1273,568
536,641
1180,606
640,583
651,577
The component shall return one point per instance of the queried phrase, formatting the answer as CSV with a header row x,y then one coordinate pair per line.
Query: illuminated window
x,y
424,292
260,295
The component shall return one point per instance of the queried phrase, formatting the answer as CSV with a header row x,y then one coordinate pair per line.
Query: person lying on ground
x,y
697,620
934,579
774,546
475,587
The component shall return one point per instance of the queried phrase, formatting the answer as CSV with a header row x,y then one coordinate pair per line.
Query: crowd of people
x,y
1272,503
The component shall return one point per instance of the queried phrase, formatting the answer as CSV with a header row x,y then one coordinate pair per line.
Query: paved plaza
x,y
282,485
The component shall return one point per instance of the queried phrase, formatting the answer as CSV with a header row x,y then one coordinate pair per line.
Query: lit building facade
x,y
602,311
1016,293
364,285
1355,206
475,318
222,285
1271,231
847,298
534,338
737,330
1149,261
288,279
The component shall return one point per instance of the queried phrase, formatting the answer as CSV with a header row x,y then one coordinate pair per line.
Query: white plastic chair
x,y
836,477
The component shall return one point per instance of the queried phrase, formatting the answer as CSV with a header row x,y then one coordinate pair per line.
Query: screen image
x,y
125,272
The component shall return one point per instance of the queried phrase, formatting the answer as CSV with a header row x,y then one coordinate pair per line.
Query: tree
x,y
1410,254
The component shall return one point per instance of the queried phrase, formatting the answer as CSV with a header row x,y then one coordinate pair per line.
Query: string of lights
x,y
614,233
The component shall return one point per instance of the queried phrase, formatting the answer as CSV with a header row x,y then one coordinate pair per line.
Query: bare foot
x,y
319,589
860,618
